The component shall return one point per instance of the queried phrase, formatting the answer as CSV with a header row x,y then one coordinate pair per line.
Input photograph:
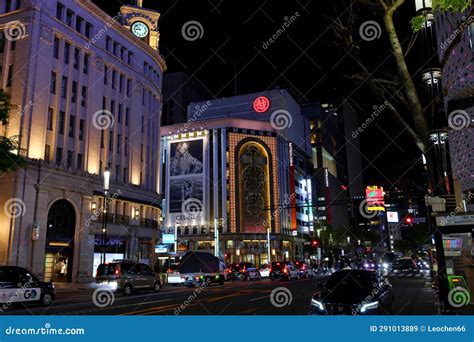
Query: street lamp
x,y
104,214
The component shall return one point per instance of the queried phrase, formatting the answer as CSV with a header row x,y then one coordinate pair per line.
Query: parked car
x,y
353,292
128,276
404,264
18,285
284,270
264,271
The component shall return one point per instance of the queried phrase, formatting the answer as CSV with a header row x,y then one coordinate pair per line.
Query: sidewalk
x,y
75,286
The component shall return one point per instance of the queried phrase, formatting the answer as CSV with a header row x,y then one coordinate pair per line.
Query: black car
x,y
405,264
284,270
353,292
18,285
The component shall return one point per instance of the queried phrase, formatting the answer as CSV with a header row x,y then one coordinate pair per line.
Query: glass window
x,y
50,118
59,10
62,117
52,87
56,48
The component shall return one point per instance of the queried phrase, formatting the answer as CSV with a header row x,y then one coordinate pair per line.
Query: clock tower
x,y
142,22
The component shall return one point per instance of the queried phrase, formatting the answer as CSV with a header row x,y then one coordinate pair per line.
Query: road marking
x,y
258,298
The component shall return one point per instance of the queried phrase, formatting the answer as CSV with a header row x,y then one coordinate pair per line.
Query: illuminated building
x,y
87,93
232,167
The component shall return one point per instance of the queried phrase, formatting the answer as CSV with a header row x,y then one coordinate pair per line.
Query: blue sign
x,y
167,238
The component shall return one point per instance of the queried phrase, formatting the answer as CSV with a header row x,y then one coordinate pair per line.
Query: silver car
x,y
128,277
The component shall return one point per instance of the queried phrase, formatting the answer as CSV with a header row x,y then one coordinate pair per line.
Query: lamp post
x,y
104,214
268,246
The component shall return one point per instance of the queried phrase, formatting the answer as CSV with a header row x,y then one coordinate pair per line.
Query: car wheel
x,y
46,299
127,290
157,287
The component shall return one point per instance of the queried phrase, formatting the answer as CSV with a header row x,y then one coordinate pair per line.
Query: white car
x,y
264,271
175,278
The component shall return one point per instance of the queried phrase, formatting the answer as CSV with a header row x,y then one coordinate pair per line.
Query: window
x,y
8,6
10,75
127,114
120,113
112,107
47,153
13,45
125,152
108,42
79,21
143,96
115,48
81,129
76,58
3,40
86,64
125,175
129,85
100,167
52,86
102,138
145,67
69,159
106,74
141,152
84,96
74,91
69,17
117,172
64,87
130,57
59,11
62,117
66,52
143,123
72,126
104,101
56,48
59,155
88,30
18,4
121,83
111,141
119,143
122,53
80,159
50,118
113,78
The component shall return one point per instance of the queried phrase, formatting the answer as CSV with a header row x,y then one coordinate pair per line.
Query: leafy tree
x,y
10,158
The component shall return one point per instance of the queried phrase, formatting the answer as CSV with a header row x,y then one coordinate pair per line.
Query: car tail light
x,y
117,271
285,270
271,270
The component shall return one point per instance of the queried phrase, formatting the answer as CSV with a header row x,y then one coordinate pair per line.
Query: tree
x,y
10,158
396,90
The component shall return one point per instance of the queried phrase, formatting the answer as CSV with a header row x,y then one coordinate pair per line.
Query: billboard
x,y
392,217
185,190
375,198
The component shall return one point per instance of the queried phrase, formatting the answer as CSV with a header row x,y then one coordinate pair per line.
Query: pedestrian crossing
x,y
408,274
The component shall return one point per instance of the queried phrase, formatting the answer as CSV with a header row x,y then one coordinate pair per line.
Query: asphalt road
x,y
412,292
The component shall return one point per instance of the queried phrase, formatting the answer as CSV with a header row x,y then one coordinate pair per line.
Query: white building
x,y
87,91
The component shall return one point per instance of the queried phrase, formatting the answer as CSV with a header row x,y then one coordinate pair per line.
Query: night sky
x,y
304,59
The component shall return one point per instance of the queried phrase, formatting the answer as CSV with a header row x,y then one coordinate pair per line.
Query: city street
x,y
413,295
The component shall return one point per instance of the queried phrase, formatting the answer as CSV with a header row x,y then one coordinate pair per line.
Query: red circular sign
x,y
261,104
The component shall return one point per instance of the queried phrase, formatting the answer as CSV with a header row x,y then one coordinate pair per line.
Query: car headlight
x,y
385,265
113,285
369,306
317,304
366,265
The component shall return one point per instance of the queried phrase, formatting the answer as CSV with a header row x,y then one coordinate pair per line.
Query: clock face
x,y
140,29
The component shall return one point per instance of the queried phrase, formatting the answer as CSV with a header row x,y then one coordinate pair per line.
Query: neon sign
x,y
261,104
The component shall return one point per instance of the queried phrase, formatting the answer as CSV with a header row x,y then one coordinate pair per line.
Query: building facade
x,y
232,168
87,94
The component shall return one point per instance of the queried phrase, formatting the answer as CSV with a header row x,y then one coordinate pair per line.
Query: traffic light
x,y
315,243
408,220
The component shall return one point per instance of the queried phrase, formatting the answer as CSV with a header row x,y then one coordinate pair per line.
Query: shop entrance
x,y
59,250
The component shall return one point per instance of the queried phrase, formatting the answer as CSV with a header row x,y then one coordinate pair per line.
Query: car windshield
x,y
8,275
106,269
404,262
278,264
351,280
